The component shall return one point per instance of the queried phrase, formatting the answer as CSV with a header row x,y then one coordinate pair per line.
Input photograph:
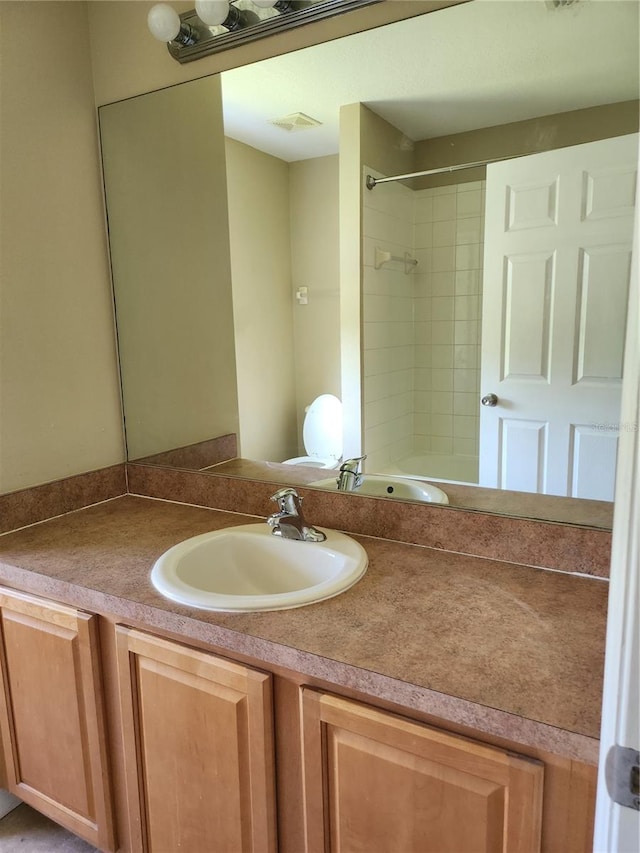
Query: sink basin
x,y
246,568
383,486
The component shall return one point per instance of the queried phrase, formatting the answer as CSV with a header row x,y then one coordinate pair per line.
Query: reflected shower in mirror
x,y
308,307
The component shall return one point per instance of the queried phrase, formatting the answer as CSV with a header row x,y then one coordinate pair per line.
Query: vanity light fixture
x,y
216,25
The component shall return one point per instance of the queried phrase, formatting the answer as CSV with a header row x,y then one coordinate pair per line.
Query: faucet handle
x,y
288,500
353,465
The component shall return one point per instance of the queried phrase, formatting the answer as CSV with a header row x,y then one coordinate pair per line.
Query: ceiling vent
x,y
295,122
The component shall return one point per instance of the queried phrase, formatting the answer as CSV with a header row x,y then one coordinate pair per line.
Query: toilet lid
x,y
322,430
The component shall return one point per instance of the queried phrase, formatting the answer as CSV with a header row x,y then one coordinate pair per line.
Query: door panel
x,y
557,266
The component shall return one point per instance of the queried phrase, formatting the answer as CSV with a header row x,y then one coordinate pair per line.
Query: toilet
x,y
321,434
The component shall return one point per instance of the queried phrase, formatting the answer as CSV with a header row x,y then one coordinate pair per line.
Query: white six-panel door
x,y
558,237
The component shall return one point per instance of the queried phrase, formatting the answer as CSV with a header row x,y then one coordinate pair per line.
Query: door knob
x,y
489,400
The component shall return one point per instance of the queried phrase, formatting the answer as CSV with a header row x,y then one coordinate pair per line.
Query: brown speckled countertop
x,y
513,651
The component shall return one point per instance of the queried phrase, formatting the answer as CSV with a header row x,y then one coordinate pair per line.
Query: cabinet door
x,y
378,783
51,714
198,738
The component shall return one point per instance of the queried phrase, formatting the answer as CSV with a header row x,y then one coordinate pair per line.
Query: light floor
x,y
27,831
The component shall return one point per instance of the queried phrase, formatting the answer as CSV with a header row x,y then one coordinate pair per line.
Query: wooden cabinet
x,y
198,744
379,783
51,714
192,753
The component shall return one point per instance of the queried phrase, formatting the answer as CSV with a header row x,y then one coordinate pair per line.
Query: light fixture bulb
x,y
212,12
163,22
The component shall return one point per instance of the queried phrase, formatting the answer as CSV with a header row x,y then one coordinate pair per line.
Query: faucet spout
x,y
289,522
350,477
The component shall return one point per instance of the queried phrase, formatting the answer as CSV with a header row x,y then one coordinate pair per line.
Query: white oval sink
x,y
389,486
246,568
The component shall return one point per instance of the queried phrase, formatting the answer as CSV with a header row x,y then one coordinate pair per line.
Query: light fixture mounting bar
x,y
209,43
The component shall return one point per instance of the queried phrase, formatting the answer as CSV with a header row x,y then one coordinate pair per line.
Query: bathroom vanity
x,y
441,691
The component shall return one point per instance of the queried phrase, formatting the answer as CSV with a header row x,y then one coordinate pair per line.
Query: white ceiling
x,y
483,63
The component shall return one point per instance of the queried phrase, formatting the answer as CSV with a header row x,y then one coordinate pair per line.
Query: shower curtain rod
x,y
372,182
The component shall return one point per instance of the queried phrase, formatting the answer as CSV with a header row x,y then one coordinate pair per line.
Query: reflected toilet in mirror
x,y
321,434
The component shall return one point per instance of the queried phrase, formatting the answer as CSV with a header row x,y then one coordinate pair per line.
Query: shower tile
x,y
402,358
465,427
441,425
422,310
401,382
443,259
441,444
376,336
442,332
422,332
376,361
467,282
443,380
469,230
376,387
466,332
465,447
422,424
423,235
442,357
422,379
444,233
446,189
465,403
465,380
469,185
421,284
399,333
422,401
421,444
469,204
467,307
444,207
468,257
375,308
443,283
423,355
442,402
442,308
375,281
375,413
400,309
465,356
423,210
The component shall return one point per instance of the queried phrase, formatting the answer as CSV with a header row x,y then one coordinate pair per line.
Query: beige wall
x,y
128,61
283,220
520,137
315,255
59,395
258,188
166,192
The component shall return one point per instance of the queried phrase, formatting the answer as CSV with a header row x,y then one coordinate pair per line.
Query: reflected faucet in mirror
x,y
350,477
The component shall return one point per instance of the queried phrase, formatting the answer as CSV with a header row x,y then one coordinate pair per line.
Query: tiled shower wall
x,y
449,229
388,327
422,330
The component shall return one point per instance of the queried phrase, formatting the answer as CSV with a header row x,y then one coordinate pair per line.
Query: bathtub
x,y
436,466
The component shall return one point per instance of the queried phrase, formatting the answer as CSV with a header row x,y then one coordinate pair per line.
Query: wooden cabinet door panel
x,y
378,783
198,736
51,714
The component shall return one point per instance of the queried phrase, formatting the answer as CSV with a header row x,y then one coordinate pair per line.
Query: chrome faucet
x,y
289,522
350,477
